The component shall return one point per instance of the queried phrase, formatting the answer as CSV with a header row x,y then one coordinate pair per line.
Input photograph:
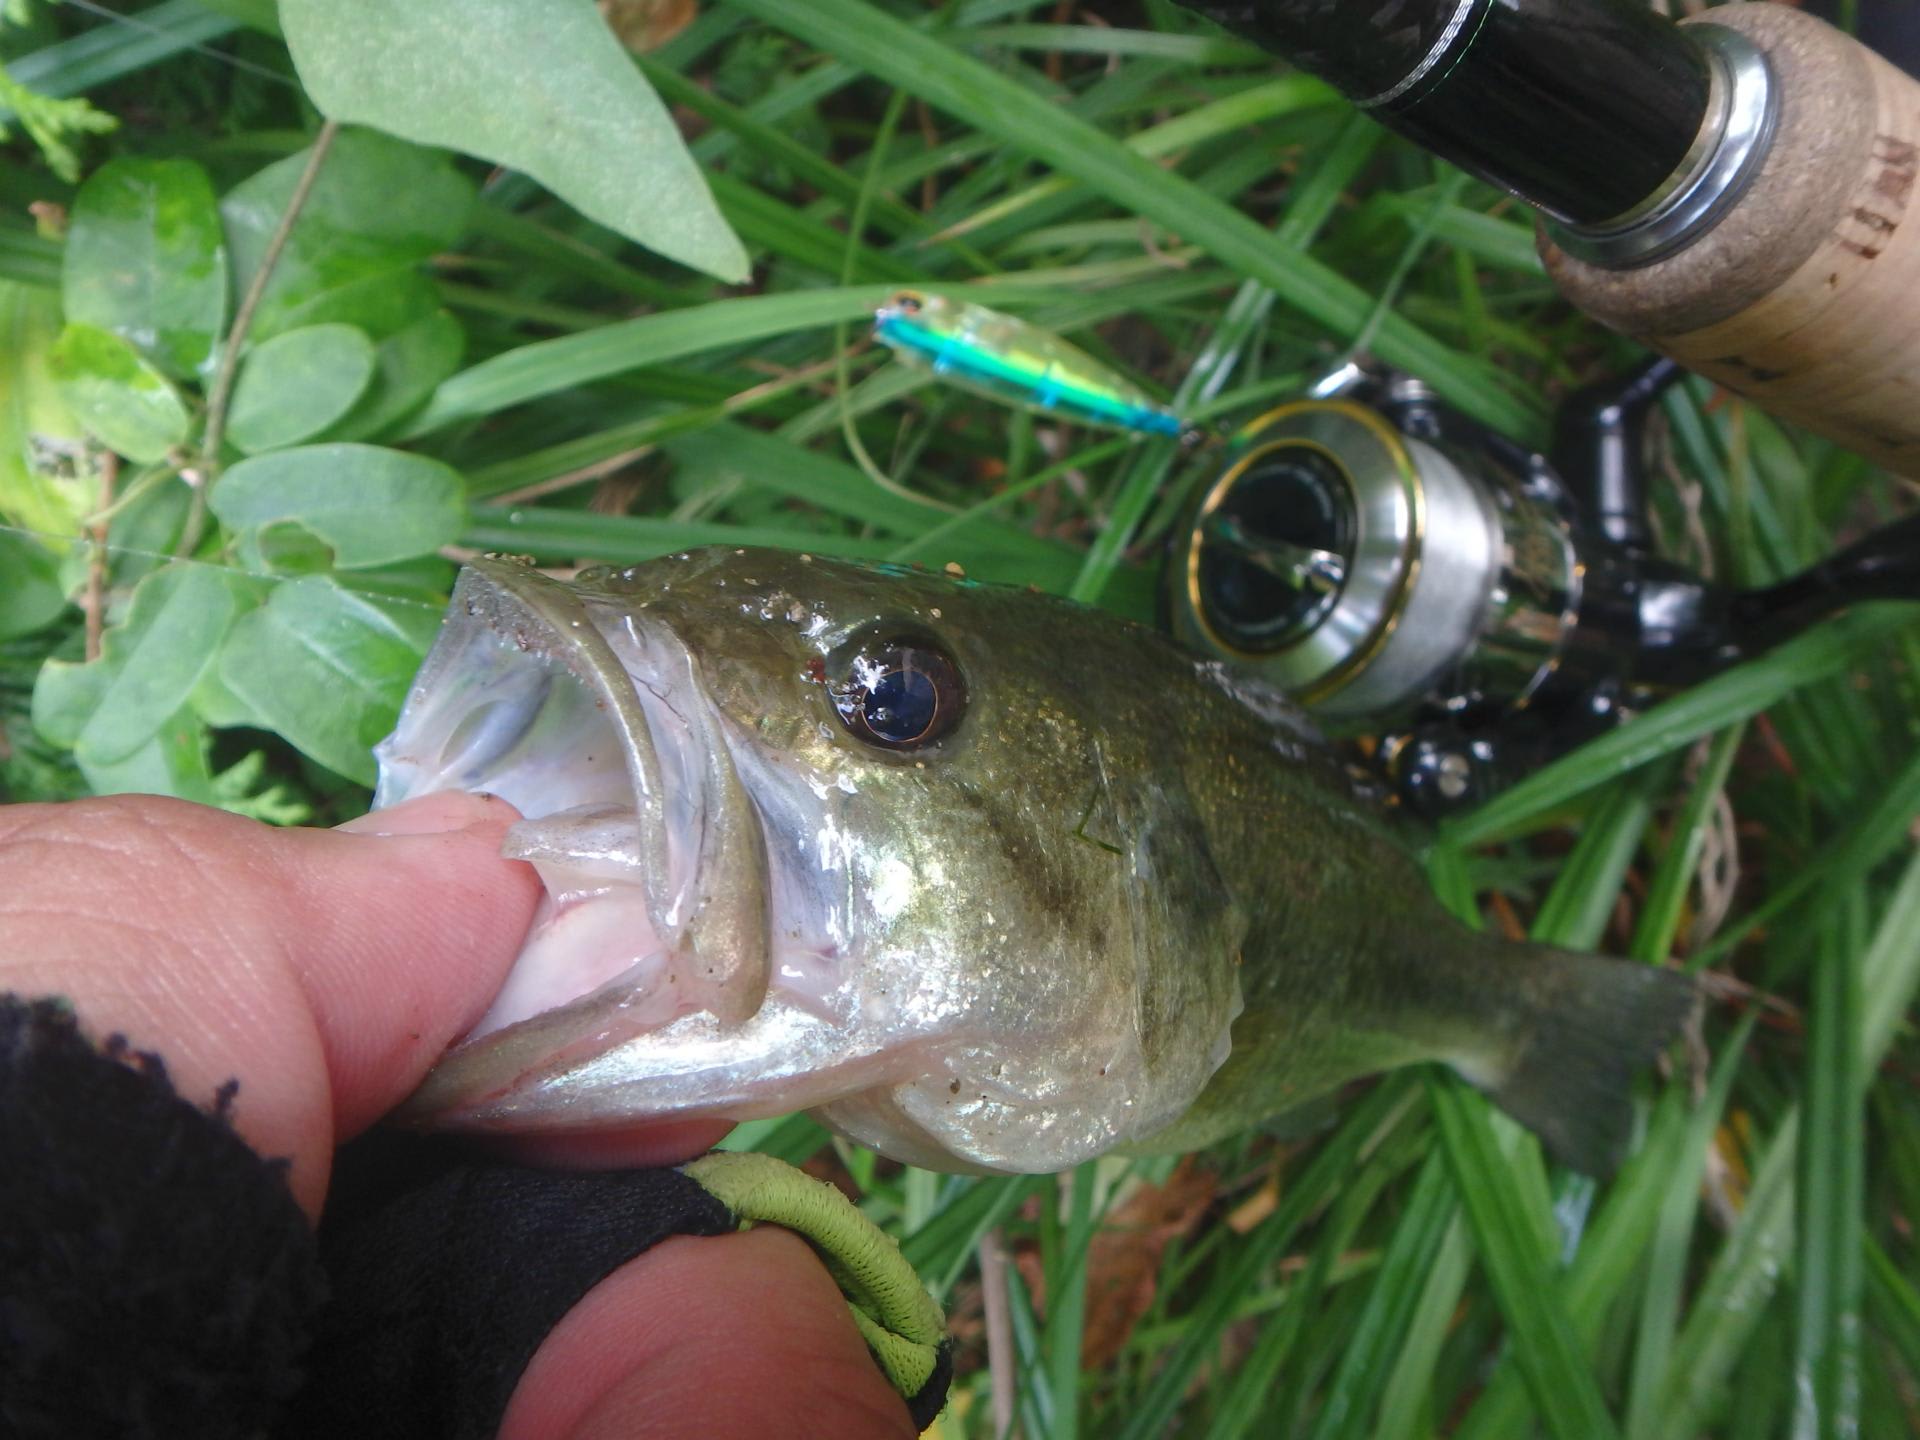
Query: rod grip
x,y
1805,297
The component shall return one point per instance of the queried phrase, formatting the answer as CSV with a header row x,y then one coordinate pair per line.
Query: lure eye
x,y
900,693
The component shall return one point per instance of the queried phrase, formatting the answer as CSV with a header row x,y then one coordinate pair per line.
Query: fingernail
x,y
434,814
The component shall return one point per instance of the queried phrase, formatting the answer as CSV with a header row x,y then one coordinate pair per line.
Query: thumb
x,y
401,926
324,970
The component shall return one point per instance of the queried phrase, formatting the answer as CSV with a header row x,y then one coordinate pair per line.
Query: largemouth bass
x,y
986,879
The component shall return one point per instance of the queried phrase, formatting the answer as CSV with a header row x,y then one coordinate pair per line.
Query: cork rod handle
x,y
1806,297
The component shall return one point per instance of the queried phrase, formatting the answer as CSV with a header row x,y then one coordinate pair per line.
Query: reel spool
x,y
1401,571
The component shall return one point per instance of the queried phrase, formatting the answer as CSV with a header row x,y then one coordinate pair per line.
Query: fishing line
x,y
133,22
114,548
1447,193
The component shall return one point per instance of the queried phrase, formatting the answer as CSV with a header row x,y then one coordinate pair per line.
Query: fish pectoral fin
x,y
1584,1025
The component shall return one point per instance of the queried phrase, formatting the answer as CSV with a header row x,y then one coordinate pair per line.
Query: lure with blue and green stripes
x,y
1009,360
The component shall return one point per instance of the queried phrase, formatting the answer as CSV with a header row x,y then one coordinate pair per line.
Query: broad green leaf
x,y
178,619
49,468
146,259
407,368
540,87
423,580
31,595
107,709
297,384
327,668
65,695
371,505
173,762
378,208
125,403
218,706
287,547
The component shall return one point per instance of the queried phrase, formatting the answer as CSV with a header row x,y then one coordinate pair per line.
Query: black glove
x,y
156,1278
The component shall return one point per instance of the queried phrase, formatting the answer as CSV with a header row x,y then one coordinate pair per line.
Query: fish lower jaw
x,y
605,1064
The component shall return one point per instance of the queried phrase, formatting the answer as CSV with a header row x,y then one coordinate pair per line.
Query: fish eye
x,y
899,692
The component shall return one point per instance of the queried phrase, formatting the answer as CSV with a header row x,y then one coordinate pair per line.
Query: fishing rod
x,y
1405,572
1735,191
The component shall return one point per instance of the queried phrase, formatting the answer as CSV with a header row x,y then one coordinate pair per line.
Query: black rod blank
x,y
1582,107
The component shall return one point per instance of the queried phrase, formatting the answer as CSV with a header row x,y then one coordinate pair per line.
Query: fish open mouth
x,y
642,990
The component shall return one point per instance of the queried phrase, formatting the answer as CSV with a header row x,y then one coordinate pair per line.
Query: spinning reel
x,y
1403,571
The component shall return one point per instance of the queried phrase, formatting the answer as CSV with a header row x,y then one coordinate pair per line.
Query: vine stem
x,y
1001,1359
93,601
221,394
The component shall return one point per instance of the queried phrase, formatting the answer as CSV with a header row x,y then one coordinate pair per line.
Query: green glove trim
x,y
902,1325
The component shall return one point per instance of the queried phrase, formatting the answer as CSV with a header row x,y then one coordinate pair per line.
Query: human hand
x,y
326,971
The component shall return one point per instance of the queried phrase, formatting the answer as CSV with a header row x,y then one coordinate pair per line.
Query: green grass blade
x,y
933,69
111,51
1309,208
563,536
774,144
943,1247
1827,1277
570,255
559,535
1406,1403
1577,908
1890,972
1067,1302
1613,1252
547,366
1731,1303
29,258
1396,1297
1539,1328
1286,95
774,462
1894,1303
1866,839
1723,700
1249,1406
1383,1108
928,542
1664,1269
1732,1300
1659,921
787,232
1109,40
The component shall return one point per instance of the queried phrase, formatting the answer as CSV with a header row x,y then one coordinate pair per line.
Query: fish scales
x,y
984,878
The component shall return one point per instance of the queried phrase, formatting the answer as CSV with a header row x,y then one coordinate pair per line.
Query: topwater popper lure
x,y
1009,360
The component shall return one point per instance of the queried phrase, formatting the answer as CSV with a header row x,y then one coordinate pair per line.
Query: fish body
x,y
1008,360
986,879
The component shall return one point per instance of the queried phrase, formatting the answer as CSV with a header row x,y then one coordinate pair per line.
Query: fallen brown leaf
x,y
1123,1262
644,25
